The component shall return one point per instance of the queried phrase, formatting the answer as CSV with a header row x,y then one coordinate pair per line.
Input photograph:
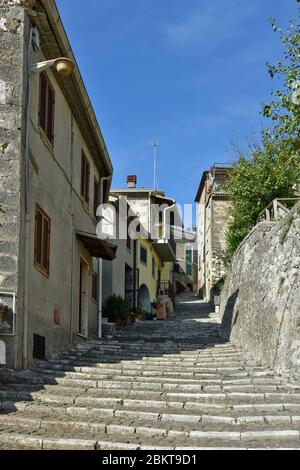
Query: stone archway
x,y
144,298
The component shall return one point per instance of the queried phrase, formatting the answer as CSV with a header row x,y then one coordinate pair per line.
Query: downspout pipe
x,y
26,210
100,264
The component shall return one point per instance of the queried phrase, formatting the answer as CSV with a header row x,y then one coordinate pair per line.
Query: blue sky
x,y
190,72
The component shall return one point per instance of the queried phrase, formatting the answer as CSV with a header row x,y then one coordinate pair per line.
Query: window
x,y
39,347
85,178
95,287
46,108
143,255
42,241
96,196
153,267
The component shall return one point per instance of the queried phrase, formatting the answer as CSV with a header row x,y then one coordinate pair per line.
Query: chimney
x,y
131,181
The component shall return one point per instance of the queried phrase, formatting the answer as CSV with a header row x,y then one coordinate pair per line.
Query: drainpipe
x,y
100,265
26,211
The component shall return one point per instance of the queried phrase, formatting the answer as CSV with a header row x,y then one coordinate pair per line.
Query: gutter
x,y
27,212
100,266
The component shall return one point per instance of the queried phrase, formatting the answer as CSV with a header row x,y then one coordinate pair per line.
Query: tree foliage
x,y
272,171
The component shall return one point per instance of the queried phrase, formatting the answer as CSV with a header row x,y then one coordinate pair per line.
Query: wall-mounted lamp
x,y
62,65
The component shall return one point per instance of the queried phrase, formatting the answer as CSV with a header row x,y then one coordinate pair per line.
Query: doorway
x,y
83,299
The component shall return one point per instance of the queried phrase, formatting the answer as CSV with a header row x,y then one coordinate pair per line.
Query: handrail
x,y
276,210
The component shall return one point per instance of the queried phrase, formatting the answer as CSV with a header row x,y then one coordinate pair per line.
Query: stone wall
x,y
12,23
260,304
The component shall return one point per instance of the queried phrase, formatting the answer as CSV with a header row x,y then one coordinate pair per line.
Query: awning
x,y
96,247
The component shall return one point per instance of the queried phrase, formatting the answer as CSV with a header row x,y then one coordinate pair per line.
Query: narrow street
x,y
157,385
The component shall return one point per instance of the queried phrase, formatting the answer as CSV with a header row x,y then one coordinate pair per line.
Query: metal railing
x,y
277,209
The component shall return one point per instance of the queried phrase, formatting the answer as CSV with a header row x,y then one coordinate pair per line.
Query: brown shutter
x,y
50,114
43,101
38,237
45,263
96,196
87,192
82,174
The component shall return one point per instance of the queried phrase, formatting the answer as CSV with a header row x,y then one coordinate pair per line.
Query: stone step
x,y
195,439
81,366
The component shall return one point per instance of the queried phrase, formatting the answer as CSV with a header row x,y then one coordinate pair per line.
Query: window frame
x,y
39,252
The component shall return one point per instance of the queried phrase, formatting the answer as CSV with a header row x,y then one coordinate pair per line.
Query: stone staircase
x,y
158,385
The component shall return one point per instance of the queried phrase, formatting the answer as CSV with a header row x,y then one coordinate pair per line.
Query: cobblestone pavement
x,y
155,385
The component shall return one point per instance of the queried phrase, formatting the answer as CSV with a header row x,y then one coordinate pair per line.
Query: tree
x,y
271,171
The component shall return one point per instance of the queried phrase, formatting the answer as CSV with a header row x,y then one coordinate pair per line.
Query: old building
x,y
185,274
156,247
213,216
120,276
55,170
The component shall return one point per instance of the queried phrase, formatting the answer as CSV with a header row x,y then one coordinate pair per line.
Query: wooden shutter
x,y
87,182
50,114
42,241
45,247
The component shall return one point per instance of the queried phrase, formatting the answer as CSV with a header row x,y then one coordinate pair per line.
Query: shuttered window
x,y
85,178
46,108
42,241
96,196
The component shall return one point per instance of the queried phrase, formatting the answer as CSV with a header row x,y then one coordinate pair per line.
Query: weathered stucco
x,y
260,303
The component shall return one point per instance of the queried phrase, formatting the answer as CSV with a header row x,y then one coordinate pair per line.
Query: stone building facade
x,y
54,169
213,215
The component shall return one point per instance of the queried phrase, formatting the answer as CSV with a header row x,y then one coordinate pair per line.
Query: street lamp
x,y
63,66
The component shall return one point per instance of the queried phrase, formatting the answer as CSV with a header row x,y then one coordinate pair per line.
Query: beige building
x,y
55,170
213,216
156,247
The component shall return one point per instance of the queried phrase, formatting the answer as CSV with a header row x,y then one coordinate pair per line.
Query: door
x,y
83,299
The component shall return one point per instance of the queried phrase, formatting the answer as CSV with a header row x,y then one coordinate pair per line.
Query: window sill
x,y
46,141
41,271
82,336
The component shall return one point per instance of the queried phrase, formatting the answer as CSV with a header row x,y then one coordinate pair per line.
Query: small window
x,y
143,255
85,178
39,347
95,287
42,241
96,196
189,270
46,107
153,267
